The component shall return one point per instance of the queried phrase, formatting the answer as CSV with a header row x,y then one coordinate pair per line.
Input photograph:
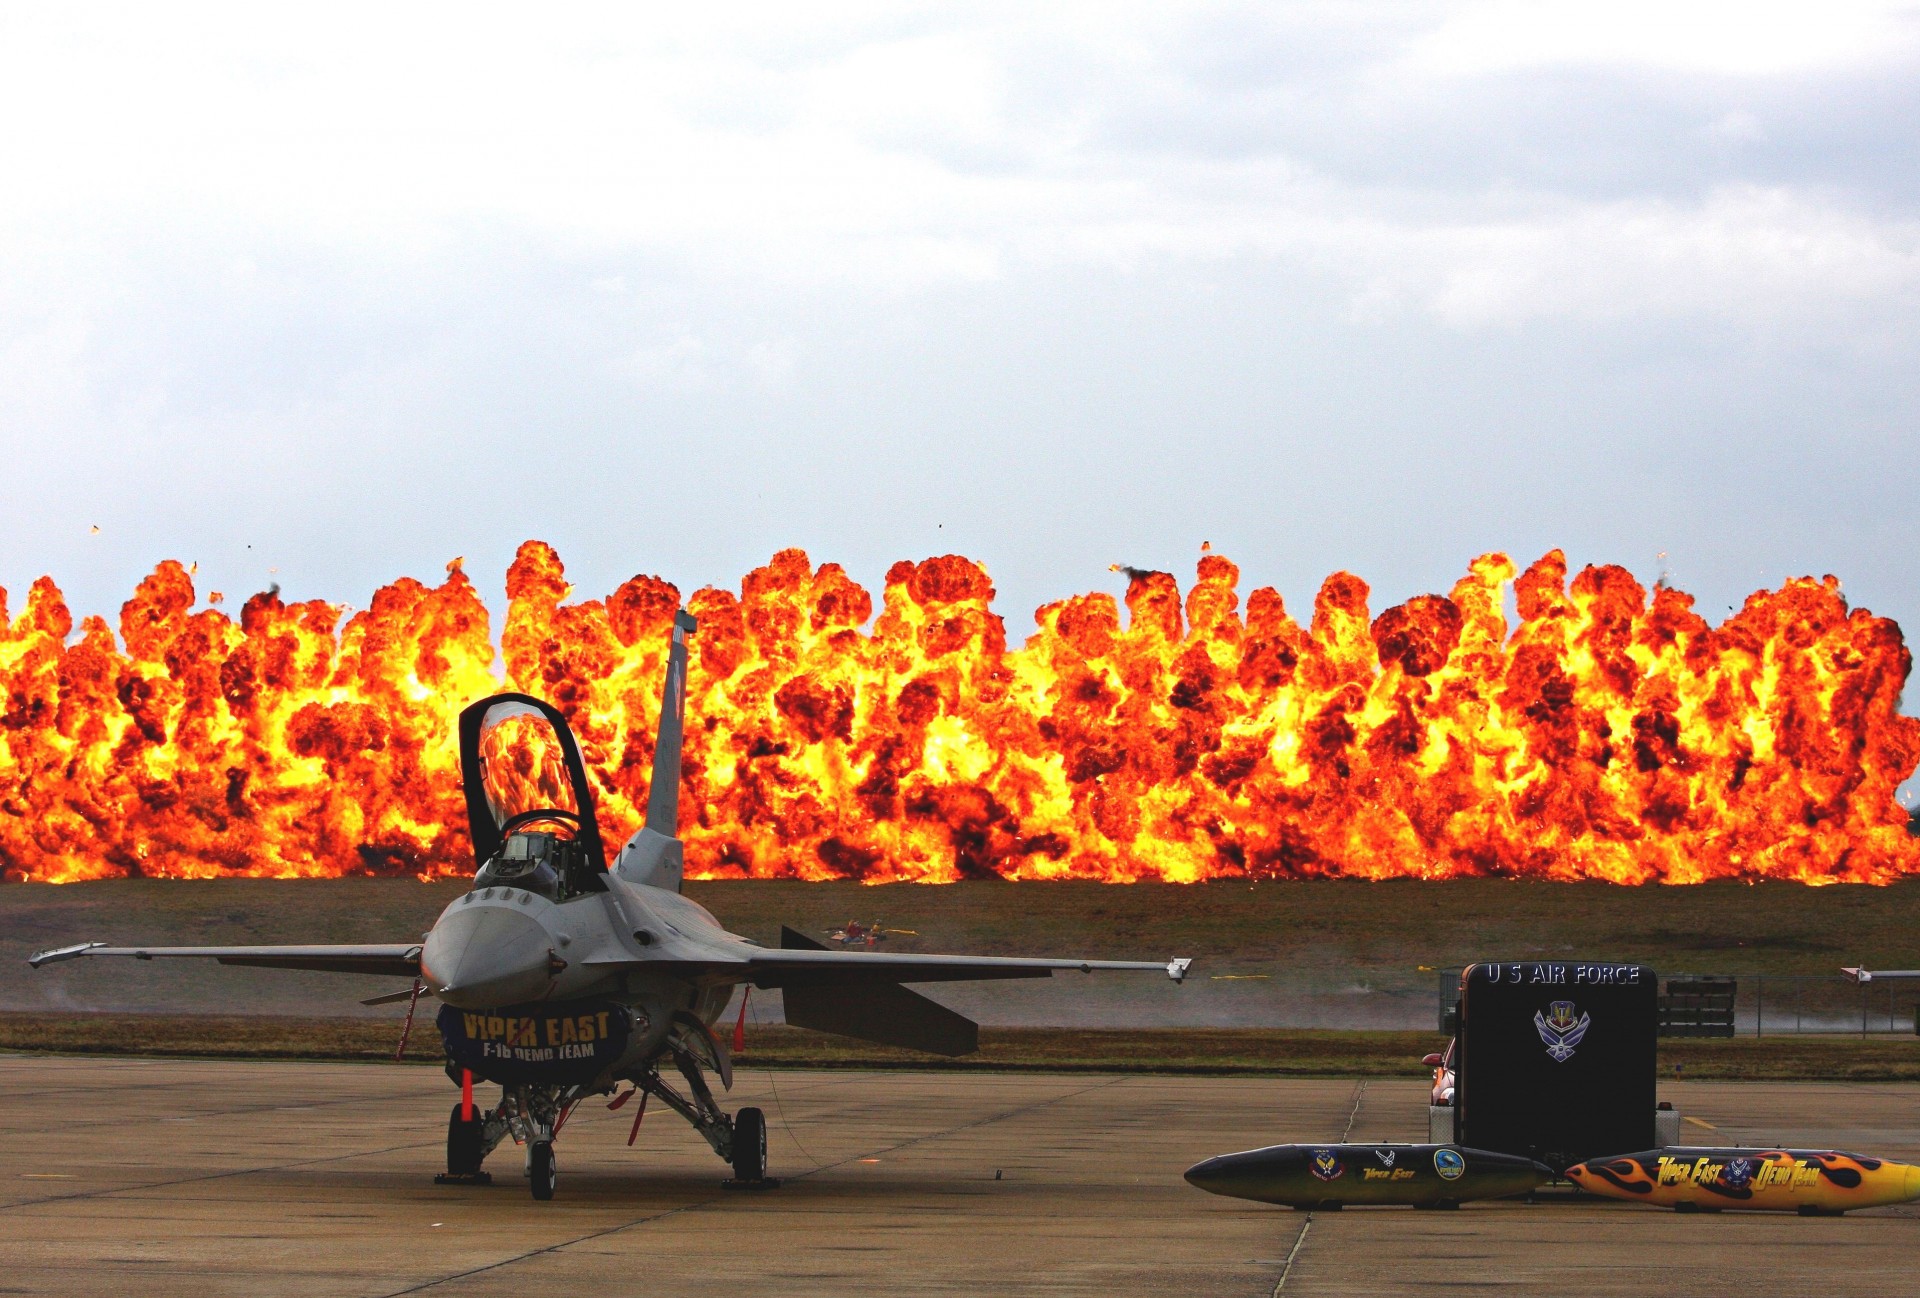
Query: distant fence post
x,y
1715,1005
1699,1005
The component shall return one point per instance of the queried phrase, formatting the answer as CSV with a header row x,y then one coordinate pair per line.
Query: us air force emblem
x,y
1559,1030
1385,1156
1325,1165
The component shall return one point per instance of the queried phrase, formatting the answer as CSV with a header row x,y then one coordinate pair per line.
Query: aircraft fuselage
x,y
501,946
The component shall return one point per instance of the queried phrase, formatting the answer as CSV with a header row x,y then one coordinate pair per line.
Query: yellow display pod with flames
x,y
1814,1183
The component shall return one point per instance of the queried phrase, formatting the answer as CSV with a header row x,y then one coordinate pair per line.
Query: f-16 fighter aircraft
x,y
560,978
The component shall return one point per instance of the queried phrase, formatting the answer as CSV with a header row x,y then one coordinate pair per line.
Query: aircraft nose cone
x,y
1226,1174
1204,1175
483,957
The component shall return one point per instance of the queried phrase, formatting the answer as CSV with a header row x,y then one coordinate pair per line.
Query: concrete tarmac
x,y
212,1178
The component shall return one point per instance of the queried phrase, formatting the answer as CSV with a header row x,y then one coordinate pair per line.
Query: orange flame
x,y
1607,736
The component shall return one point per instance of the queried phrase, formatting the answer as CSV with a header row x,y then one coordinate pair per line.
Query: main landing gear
x,y
741,1140
466,1147
533,1116
750,1147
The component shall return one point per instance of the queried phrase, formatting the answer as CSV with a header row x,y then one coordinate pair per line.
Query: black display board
x,y
1556,1059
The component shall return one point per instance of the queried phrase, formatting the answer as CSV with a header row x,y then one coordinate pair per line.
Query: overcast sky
x,y
331,297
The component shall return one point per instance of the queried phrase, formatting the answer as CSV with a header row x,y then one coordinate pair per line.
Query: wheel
x,y
464,1150
750,1145
541,1170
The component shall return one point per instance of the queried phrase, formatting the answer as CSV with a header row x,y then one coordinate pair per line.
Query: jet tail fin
x,y
653,856
663,795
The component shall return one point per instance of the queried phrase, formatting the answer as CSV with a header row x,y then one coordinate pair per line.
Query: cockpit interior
x,y
545,861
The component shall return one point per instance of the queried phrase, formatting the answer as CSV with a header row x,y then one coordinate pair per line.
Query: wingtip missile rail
x,y
58,954
1860,975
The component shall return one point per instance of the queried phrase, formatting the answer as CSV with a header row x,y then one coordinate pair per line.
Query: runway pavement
x,y
204,1179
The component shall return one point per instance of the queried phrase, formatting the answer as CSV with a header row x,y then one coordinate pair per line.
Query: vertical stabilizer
x,y
663,795
653,855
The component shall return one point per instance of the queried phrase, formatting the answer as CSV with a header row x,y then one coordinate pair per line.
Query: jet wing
x,y
803,968
399,960
802,962
860,993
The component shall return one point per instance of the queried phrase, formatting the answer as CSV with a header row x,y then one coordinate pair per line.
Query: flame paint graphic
x,y
1608,735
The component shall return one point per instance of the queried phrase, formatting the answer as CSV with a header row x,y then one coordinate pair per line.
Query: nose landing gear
x,y
531,1115
542,1173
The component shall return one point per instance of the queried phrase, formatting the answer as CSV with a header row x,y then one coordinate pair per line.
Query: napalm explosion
x,y
1611,734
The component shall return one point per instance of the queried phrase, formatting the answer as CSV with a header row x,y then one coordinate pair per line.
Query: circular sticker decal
x,y
1449,1164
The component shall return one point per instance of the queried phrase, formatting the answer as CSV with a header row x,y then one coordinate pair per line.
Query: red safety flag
x,y
407,1031
740,1024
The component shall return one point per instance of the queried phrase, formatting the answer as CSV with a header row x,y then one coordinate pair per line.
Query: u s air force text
x,y
1565,975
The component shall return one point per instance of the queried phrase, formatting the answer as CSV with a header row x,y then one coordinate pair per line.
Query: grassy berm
x,y
1300,930
1250,1051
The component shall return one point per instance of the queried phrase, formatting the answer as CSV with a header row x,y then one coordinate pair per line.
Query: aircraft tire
x,y
542,1171
463,1143
750,1145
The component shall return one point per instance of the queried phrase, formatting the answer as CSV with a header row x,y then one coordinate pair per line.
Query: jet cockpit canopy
x,y
529,806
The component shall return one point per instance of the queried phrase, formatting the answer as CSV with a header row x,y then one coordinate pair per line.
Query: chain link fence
x,y
1761,1005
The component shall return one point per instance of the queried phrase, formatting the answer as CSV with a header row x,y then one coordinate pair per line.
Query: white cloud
x,y
680,364
1736,127
1061,275
1732,37
1744,254
892,151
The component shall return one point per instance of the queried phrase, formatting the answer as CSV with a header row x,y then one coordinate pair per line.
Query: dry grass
x,y
1249,1051
1307,926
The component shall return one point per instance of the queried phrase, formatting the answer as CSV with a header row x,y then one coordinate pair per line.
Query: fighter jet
x,y
561,978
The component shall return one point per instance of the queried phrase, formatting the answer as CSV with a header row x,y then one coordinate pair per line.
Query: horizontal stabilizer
x,y
794,940
886,1013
